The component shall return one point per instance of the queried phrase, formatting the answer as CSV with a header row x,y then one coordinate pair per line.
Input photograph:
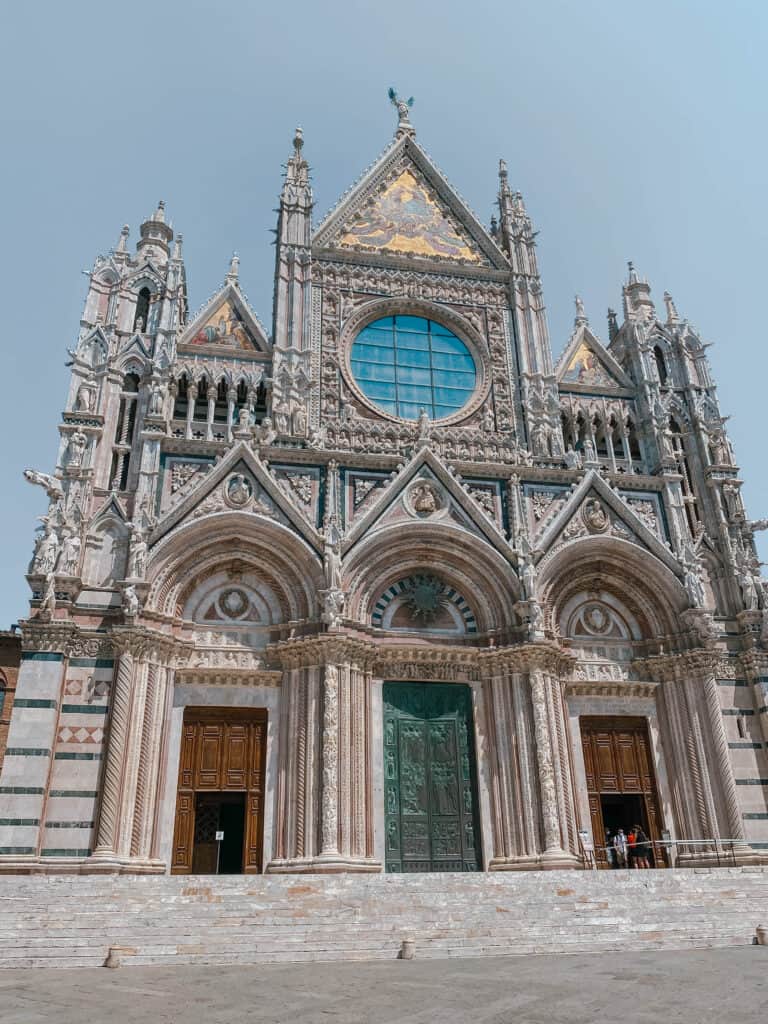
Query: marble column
x,y
108,834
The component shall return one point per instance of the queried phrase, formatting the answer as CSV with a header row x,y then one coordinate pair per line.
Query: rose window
x,y
404,364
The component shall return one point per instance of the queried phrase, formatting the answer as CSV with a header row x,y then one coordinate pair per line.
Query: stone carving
x,y
78,442
299,421
46,551
485,500
646,512
332,558
48,602
595,517
265,432
362,488
694,587
329,801
541,502
424,498
51,484
239,490
86,395
130,602
749,593
182,473
571,458
300,486
156,400
69,556
137,558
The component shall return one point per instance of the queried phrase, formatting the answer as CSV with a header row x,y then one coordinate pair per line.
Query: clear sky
x,y
635,131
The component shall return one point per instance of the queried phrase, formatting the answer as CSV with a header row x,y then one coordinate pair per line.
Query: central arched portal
x,y
430,787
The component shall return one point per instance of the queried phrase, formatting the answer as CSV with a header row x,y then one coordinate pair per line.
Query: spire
x,y
613,326
581,319
234,270
403,107
297,171
638,304
672,314
122,243
503,178
156,235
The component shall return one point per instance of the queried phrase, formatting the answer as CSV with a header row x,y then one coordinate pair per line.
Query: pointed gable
x,y
587,365
226,325
425,490
594,509
404,206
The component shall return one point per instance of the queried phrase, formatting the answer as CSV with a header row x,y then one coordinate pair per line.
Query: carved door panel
x,y
183,833
429,788
222,751
210,746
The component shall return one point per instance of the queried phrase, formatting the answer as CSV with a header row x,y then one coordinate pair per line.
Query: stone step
x,y
71,921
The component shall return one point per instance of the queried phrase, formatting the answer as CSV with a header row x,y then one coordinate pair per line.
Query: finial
x,y
613,326
122,244
298,142
234,269
581,316
503,169
494,226
177,247
160,212
403,107
672,314
633,278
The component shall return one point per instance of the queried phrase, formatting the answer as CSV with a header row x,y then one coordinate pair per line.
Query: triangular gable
x,y
580,518
404,206
135,346
226,324
462,511
586,364
268,498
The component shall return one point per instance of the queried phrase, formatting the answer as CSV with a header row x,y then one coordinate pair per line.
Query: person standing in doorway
x,y
610,853
641,848
620,848
631,847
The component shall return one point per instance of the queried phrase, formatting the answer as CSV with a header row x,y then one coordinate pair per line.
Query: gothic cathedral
x,y
385,588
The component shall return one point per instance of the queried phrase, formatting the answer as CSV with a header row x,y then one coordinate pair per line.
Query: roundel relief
x,y
424,498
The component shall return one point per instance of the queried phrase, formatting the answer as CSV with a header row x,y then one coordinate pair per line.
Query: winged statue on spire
x,y
403,106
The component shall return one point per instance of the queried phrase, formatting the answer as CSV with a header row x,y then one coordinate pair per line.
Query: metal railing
x,y
667,852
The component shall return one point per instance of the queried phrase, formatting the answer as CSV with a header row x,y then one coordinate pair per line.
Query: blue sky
x,y
634,132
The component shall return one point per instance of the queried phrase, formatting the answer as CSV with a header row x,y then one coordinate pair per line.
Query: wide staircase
x,y
72,921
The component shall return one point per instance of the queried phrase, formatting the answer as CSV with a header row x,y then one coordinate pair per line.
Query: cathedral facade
x,y
385,588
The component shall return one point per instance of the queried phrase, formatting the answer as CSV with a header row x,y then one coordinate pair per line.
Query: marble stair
x,y
73,920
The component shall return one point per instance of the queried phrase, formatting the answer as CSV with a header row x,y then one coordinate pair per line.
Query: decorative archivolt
x,y
285,575
423,602
643,594
465,563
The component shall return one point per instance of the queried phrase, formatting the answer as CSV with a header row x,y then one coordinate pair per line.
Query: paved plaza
x,y
694,987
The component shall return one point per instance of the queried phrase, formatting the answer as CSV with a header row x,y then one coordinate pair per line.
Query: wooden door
x,y
430,791
618,761
223,750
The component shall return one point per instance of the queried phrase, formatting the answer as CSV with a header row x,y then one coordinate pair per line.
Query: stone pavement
x,y
727,986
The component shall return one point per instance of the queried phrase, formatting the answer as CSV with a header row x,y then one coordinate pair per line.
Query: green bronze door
x,y
429,778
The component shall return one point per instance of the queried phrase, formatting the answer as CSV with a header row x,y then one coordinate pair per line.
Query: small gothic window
x,y
131,383
661,364
142,310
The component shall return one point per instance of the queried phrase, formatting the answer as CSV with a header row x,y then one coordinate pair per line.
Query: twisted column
x,y
724,766
108,831
549,810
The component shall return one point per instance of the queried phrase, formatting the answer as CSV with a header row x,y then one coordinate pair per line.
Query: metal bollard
x,y
761,934
407,949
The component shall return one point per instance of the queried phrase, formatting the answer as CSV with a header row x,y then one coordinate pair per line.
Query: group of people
x,y
628,850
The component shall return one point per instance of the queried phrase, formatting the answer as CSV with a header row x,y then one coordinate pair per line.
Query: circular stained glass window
x,y
404,364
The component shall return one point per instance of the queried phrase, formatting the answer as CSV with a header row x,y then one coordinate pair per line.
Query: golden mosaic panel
x,y
404,218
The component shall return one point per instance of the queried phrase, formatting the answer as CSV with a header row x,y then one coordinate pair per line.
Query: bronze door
x,y
223,753
621,782
429,788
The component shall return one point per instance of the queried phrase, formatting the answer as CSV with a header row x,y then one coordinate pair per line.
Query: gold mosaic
x,y
404,218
